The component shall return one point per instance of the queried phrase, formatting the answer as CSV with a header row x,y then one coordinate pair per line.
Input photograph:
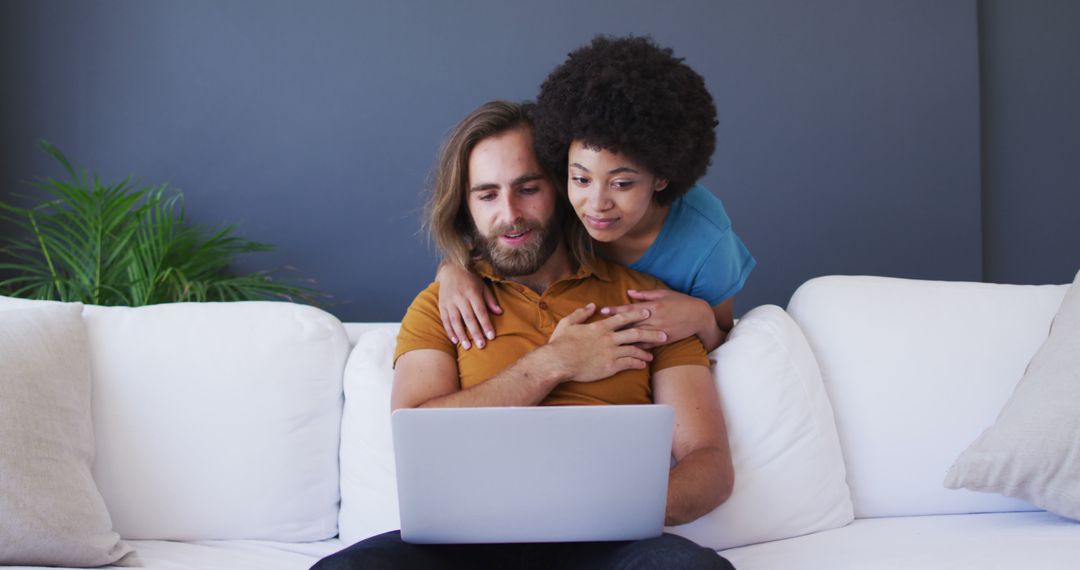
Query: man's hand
x,y
594,351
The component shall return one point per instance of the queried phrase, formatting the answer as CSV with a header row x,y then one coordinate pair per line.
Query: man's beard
x,y
524,259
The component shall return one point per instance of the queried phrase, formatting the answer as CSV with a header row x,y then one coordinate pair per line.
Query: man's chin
x,y
514,266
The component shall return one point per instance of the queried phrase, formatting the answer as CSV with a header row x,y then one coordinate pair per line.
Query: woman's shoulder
x,y
699,210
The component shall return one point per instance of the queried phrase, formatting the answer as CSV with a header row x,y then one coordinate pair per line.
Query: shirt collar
x,y
601,270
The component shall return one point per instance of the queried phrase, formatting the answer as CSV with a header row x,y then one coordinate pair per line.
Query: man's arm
x,y
576,352
702,477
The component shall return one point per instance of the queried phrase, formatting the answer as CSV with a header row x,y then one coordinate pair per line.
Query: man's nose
x,y
510,208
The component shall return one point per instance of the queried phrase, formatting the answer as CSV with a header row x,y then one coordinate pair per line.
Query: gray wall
x,y
850,131
1031,140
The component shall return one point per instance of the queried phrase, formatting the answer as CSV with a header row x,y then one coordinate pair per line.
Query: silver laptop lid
x,y
543,474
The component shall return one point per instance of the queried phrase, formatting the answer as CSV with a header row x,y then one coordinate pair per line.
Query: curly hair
x,y
629,95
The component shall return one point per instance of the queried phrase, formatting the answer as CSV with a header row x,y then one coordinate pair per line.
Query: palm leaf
x,y
117,243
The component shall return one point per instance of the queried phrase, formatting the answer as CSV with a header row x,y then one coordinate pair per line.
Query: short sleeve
x,y
684,352
421,327
724,269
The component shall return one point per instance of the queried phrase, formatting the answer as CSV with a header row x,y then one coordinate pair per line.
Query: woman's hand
x,y
464,303
677,314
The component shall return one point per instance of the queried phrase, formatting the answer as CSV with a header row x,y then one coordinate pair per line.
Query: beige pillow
x,y
51,513
1032,452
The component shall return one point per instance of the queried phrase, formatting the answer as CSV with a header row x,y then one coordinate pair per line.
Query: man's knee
x,y
385,551
671,551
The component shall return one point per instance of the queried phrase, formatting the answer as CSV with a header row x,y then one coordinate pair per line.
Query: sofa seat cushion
x,y
226,555
995,541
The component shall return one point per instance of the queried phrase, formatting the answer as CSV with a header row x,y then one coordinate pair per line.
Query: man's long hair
x,y
448,221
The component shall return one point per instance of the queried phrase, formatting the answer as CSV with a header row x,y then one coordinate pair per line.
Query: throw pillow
x,y
789,470
1032,451
369,500
51,512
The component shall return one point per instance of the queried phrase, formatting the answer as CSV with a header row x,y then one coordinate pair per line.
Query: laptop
x,y
538,474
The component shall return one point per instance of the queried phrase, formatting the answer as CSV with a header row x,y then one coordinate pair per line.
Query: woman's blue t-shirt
x,y
697,252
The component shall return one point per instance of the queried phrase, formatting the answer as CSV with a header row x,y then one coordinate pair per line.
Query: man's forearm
x,y
697,485
526,383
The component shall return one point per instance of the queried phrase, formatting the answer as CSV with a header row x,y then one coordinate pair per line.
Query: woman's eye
x,y
623,184
580,180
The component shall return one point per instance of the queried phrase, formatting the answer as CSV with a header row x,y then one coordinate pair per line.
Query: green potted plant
x,y
122,245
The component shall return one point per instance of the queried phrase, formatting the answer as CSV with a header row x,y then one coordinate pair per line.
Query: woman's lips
x,y
600,223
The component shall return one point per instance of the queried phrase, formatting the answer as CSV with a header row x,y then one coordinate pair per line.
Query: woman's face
x,y
611,195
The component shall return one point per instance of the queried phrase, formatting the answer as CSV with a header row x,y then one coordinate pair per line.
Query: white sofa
x,y
251,435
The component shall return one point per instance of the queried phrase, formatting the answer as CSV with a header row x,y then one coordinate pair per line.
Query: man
x,y
493,200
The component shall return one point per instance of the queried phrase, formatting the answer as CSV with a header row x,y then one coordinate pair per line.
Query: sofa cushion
x,y
915,370
369,501
789,472
51,512
218,420
1032,451
993,541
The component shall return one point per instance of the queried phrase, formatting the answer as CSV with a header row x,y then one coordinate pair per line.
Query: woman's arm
x,y
464,303
680,315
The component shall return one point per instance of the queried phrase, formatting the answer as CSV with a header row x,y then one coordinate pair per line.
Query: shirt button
x,y
543,305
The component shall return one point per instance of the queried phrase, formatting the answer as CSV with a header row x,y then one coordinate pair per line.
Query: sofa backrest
x,y
915,370
217,421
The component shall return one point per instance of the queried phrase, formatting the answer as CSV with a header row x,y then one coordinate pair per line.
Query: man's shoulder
x,y
424,301
421,326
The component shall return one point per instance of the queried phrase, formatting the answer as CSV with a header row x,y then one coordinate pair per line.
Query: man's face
x,y
512,204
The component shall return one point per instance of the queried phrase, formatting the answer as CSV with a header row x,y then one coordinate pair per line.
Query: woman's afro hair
x,y
630,96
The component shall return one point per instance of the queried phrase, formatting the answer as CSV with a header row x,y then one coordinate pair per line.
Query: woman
x,y
631,128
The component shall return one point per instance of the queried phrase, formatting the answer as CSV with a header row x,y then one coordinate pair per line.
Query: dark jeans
x,y
389,551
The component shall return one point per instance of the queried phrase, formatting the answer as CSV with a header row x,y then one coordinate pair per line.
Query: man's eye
x,y
486,196
530,189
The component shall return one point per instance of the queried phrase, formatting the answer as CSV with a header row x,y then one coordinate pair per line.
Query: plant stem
x,y
48,259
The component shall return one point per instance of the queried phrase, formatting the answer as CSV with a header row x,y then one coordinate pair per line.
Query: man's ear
x,y
660,184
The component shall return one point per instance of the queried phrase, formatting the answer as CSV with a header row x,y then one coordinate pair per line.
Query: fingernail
x,y
465,344
645,312
605,310
490,335
631,290
590,306
480,344
663,336
453,339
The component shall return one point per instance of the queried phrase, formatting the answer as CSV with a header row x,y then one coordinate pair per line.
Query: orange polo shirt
x,y
527,321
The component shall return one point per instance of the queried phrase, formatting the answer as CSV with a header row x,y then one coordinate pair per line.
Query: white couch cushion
x,y
51,512
789,472
369,501
218,420
995,541
1032,451
915,370
226,555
